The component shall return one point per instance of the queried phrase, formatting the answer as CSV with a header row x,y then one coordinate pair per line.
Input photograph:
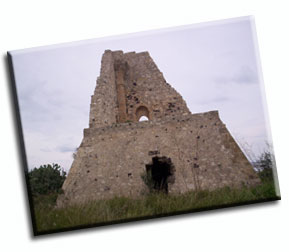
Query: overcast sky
x,y
214,66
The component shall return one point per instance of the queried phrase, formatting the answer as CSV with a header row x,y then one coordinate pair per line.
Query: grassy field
x,y
49,219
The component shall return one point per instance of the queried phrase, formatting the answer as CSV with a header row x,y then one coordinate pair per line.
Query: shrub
x,y
265,164
46,179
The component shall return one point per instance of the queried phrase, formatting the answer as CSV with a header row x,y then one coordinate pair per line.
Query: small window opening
x,y
142,113
143,118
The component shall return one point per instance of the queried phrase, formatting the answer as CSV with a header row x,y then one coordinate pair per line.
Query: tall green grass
x,y
50,219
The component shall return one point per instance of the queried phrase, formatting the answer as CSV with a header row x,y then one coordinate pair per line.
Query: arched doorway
x,y
161,172
142,112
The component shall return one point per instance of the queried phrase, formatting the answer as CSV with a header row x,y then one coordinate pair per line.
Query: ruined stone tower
x,y
177,150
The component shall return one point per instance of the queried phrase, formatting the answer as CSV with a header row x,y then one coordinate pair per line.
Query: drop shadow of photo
x,y
18,133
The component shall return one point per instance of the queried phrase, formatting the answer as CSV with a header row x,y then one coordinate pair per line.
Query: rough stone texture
x,y
117,149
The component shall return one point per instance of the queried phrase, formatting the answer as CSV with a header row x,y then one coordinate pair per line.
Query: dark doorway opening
x,y
161,172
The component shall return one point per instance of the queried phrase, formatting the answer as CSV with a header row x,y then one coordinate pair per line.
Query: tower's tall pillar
x,y
120,89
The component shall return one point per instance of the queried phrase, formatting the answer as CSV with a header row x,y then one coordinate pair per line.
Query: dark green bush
x,y
265,166
46,179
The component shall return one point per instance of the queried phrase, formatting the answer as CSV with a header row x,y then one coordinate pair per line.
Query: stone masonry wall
x,y
111,160
103,101
144,86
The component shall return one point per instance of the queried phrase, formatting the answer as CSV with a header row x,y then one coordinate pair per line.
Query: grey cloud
x,y
220,99
45,150
244,76
66,149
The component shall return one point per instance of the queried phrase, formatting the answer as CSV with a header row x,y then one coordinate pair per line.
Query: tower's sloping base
x,y
111,161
